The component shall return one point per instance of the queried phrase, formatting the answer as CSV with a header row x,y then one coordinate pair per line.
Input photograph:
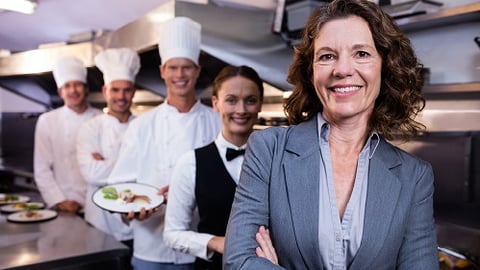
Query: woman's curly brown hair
x,y
400,98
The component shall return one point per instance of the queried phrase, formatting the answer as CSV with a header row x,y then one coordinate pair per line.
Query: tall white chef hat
x,y
69,68
118,64
179,37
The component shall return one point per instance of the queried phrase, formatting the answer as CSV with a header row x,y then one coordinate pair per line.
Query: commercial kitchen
x,y
261,34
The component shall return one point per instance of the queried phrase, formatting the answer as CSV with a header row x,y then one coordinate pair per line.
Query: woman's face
x,y
346,69
238,101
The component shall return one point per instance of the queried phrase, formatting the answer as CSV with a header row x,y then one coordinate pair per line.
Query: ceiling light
x,y
22,6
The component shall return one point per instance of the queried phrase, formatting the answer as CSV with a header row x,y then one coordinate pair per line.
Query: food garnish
x,y
9,198
124,196
26,206
110,193
32,214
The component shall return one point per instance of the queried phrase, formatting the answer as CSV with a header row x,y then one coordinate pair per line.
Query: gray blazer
x,y
279,188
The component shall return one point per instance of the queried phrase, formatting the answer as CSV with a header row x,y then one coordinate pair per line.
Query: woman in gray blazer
x,y
333,193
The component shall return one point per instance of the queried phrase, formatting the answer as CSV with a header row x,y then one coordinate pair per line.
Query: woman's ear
x,y
215,103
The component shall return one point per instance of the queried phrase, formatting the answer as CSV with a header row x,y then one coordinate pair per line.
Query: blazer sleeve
x,y
250,208
419,246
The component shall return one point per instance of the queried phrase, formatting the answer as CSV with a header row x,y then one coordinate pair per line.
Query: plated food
x,y
126,197
22,206
29,216
12,198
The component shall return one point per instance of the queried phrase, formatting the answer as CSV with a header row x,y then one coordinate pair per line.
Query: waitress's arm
x,y
179,222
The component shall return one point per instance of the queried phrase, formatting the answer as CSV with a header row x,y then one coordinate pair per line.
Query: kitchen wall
x,y
450,52
10,102
18,116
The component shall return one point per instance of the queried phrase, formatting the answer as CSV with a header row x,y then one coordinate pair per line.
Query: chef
x,y
99,139
155,140
56,170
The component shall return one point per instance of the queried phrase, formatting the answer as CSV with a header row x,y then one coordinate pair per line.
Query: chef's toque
x,y
69,68
118,64
179,37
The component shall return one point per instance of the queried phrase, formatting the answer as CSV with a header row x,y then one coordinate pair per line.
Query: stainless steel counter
x,y
66,242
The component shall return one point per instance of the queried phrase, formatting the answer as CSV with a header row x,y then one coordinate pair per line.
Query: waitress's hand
x,y
217,244
265,248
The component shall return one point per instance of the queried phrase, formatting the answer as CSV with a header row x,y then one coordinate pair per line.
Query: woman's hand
x,y
265,248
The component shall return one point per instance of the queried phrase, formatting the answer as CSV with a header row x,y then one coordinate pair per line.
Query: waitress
x,y
205,179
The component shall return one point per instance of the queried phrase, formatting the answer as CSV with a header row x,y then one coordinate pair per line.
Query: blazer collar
x,y
303,138
382,197
301,159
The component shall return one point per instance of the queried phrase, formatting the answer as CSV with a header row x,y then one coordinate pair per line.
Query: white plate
x,y
43,215
119,206
20,199
15,207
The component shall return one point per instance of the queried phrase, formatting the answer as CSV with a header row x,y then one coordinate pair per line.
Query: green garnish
x,y
10,198
110,193
31,207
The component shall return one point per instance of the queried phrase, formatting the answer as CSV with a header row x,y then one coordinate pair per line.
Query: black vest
x,y
214,192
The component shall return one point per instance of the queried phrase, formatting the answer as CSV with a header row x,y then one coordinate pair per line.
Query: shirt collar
x,y
171,108
114,119
221,142
324,129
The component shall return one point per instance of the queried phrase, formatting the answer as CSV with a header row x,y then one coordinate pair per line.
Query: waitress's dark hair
x,y
233,71
400,98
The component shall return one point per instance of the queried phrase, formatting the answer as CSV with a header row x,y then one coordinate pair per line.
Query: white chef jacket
x,y
182,205
56,170
152,144
102,134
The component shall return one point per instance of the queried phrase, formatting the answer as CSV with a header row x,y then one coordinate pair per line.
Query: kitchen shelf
x,y
451,88
462,14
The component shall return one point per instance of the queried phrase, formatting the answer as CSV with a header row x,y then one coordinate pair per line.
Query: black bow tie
x,y
232,153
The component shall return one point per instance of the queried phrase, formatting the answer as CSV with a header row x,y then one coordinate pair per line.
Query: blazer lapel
x,y
382,197
300,166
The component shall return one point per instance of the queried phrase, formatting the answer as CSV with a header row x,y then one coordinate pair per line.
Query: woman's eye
x,y
326,57
363,54
252,101
230,101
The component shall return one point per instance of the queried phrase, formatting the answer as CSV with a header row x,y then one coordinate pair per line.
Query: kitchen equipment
x,y
411,8
450,259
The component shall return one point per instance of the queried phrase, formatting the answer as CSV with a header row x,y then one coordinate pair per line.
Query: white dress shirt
x,y
102,134
152,144
182,206
56,170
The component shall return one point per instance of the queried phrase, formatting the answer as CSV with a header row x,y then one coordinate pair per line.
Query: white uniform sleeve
x,y
180,210
43,164
95,172
126,166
